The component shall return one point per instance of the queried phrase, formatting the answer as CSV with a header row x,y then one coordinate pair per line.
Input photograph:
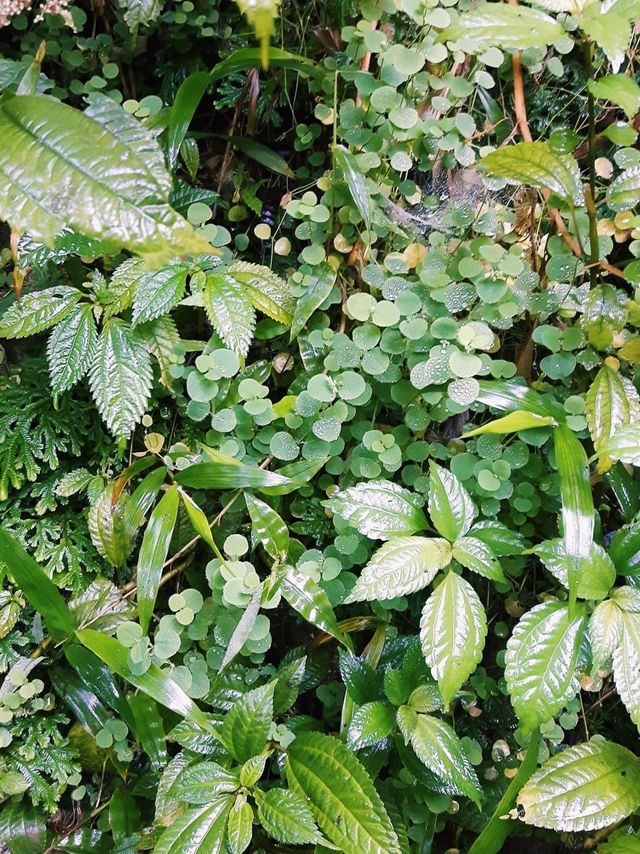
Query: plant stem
x,y
493,837
591,158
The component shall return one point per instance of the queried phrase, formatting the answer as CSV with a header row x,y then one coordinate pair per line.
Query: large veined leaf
x,y
507,27
624,445
38,311
285,816
611,402
120,377
582,788
543,658
453,628
620,90
246,725
624,191
70,348
230,311
267,291
153,553
201,830
536,164
379,509
402,565
436,744
594,572
98,172
342,797
450,505
204,782
477,556
158,292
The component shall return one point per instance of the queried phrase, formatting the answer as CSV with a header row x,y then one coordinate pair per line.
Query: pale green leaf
x,y
239,827
476,555
201,830
436,744
246,725
309,599
401,566
153,553
116,296
70,348
341,795
379,509
120,377
611,402
536,164
450,505
268,527
582,788
619,89
371,723
506,27
610,30
624,191
520,419
595,572
319,285
37,311
267,291
285,816
502,541
624,445
230,311
542,661
161,338
108,527
626,664
453,628
137,12
158,292
605,633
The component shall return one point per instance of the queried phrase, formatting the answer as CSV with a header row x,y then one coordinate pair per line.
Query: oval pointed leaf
x,y
286,817
70,349
609,405
453,628
476,555
595,572
153,553
507,27
370,724
246,725
341,795
450,505
582,788
378,509
198,831
309,599
624,192
543,658
230,311
268,527
267,291
536,164
38,311
158,292
201,783
401,566
319,285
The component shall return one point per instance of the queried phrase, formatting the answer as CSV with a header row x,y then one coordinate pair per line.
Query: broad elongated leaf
x,y
583,788
536,164
149,729
515,421
594,572
542,660
185,104
439,748
285,816
71,347
226,472
153,553
357,185
38,311
450,505
201,830
507,27
370,724
624,191
246,726
250,57
37,587
319,285
101,606
268,527
158,292
155,682
230,311
511,397
267,291
624,445
379,509
100,173
309,599
620,90
342,797
239,827
605,633
453,628
402,565
120,377
261,154
22,828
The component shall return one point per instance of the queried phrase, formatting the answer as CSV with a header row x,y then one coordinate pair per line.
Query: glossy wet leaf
x,y
583,788
38,311
246,726
309,599
149,729
379,509
203,782
624,549
543,658
225,472
267,291
285,816
450,505
620,90
370,724
612,402
624,191
319,285
453,628
512,397
341,795
536,164
230,311
501,540
520,419
153,553
201,830
268,527
594,572
158,292
476,555
22,828
70,349
508,27
624,445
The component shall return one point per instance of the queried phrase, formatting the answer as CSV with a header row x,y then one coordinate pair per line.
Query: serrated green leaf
x,y
161,338
203,782
158,292
379,509
542,660
37,587
370,723
309,599
624,191
624,445
153,553
269,293
198,831
517,420
38,311
319,285
239,828
605,633
120,377
137,12
476,555
582,788
246,725
268,527
450,505
225,472
401,566
341,795
439,748
611,403
70,348
501,540
97,172
285,816
117,296
626,664
620,90
230,311
595,572
453,628
610,30
536,164
506,27
624,842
